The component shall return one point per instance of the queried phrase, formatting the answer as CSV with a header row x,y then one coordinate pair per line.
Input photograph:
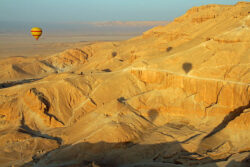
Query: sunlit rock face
x,y
176,96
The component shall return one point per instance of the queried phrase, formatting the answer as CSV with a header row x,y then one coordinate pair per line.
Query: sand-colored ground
x,y
176,96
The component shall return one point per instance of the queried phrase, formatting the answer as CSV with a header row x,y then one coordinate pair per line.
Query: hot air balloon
x,y
36,32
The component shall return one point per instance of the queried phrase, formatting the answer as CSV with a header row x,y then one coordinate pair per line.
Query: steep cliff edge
x,y
176,96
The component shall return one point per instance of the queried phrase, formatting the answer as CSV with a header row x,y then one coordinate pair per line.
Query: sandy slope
x,y
176,96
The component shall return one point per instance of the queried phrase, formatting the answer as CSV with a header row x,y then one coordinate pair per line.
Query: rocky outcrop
x,y
26,68
68,59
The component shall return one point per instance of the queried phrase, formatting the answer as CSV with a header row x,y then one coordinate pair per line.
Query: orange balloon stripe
x,y
36,32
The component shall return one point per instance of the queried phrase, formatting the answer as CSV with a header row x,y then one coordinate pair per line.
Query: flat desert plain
x,y
23,44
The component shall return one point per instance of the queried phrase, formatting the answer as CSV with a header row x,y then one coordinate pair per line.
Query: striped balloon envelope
x,y
36,32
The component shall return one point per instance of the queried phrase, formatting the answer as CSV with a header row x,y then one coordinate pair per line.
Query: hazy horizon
x,y
61,11
75,21
78,15
82,27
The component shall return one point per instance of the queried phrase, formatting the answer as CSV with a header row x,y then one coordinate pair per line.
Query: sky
x,y
66,11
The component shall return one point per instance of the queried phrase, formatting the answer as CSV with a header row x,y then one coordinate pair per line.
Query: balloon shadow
x,y
114,54
187,67
169,49
152,114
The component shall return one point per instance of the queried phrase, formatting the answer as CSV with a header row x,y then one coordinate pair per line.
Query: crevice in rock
x,y
46,102
49,65
14,83
165,134
190,138
92,101
230,117
23,128
19,70
217,98
214,103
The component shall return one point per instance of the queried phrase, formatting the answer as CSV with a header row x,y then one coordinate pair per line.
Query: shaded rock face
x,y
176,96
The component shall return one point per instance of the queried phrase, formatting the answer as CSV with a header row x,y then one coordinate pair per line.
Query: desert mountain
x,y
176,96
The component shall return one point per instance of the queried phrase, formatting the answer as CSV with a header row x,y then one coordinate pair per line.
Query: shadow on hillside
x,y
187,67
118,154
49,65
212,141
19,69
244,163
114,54
228,118
14,83
169,49
153,114
23,128
128,154
131,154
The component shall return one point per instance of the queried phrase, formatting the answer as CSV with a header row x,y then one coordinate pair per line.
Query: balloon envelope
x,y
36,32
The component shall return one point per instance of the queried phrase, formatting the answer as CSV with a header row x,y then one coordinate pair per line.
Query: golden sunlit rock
x,y
176,96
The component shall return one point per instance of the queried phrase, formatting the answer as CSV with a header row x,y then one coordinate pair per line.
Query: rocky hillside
x,y
176,96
